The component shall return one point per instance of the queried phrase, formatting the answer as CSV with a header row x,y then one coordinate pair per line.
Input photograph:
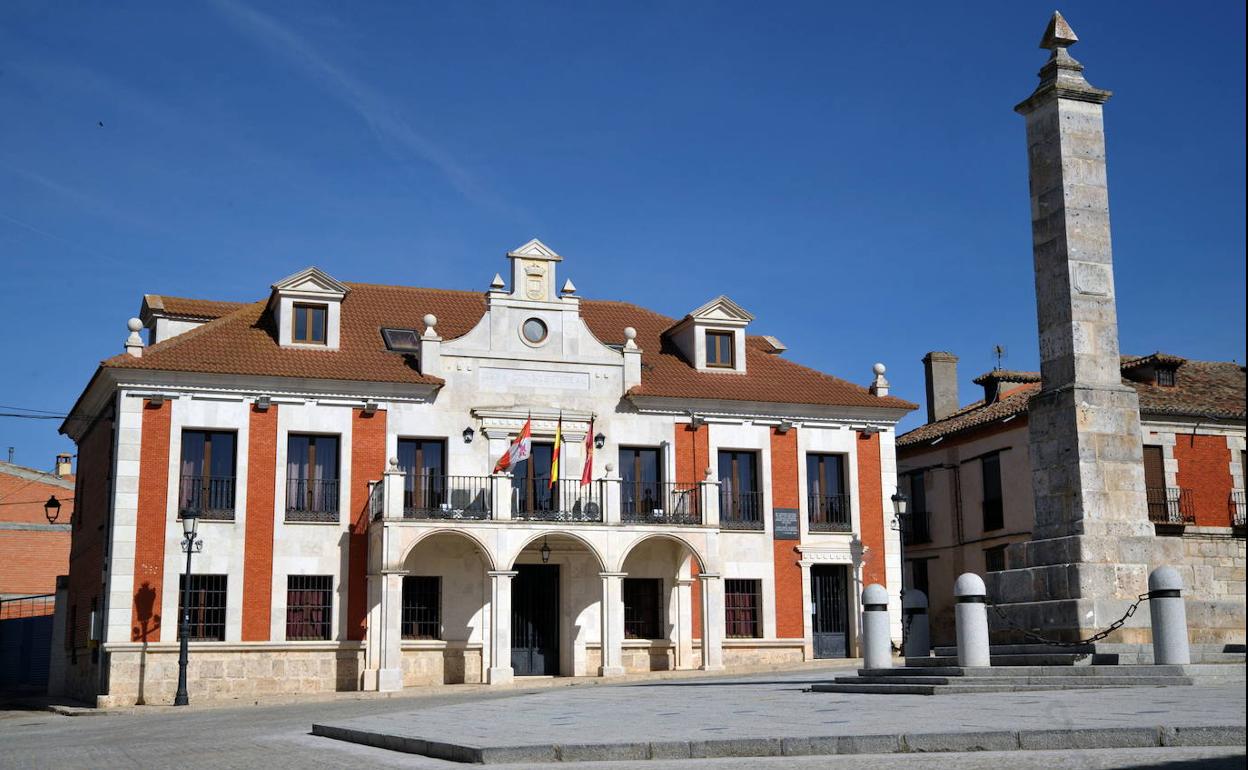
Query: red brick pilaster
x,y
258,544
871,508
368,462
149,528
784,494
692,447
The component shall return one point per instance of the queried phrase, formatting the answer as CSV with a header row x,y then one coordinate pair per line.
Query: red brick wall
x,y
692,446
30,560
149,534
1205,469
368,462
785,494
258,546
92,489
871,508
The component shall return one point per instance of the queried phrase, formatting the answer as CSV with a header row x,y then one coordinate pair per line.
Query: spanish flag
x,y
554,455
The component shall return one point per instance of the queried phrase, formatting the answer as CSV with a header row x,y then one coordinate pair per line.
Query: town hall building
x,y
713,504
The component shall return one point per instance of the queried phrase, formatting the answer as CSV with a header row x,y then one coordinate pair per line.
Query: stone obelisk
x,y
1092,540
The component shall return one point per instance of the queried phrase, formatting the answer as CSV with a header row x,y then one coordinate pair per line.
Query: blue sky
x,y
854,176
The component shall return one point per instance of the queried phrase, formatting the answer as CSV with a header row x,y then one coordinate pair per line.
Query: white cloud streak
x,y
382,118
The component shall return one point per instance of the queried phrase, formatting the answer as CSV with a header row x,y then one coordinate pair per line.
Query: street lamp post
x,y
190,544
901,509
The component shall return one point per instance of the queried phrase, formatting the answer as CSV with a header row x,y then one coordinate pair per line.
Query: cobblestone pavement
x,y
276,737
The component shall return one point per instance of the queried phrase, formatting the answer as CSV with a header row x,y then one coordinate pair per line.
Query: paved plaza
x,y
773,704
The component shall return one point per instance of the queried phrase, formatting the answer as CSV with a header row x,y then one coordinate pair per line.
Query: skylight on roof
x,y
402,340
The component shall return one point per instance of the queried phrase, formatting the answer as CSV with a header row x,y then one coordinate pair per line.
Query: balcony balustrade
x,y
312,500
917,528
436,496
1170,505
211,498
740,510
656,502
565,501
1237,508
829,513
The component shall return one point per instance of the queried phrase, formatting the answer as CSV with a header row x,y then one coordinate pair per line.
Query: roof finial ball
x,y
134,343
879,386
431,321
879,370
630,337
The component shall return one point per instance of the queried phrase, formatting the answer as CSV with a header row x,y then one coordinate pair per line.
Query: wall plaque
x,y
784,524
501,380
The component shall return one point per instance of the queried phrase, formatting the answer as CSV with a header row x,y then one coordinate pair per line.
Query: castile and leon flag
x,y
519,449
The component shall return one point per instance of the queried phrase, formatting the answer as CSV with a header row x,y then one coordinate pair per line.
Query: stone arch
x,y
486,554
593,550
698,559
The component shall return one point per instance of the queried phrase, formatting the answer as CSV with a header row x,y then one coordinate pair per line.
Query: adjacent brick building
x,y
34,550
969,475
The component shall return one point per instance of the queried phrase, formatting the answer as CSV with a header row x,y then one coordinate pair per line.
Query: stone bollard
x,y
1169,617
914,618
971,617
877,646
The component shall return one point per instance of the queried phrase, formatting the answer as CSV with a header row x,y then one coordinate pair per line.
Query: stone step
x,y
951,689
1099,672
1006,660
1018,681
1023,649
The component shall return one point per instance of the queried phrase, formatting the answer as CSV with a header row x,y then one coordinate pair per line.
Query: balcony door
x,y
423,462
641,478
826,495
207,484
740,497
530,481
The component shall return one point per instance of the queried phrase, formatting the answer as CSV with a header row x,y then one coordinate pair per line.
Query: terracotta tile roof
x,y
184,307
1209,389
243,342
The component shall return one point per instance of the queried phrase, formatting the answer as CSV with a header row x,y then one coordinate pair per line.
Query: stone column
x,y
393,482
611,502
500,671
710,499
682,631
611,617
1092,538
500,496
712,622
383,642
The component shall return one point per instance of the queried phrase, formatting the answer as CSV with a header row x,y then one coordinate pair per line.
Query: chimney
x,y
64,465
940,370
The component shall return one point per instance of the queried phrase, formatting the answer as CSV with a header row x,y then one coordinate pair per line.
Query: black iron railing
x,y
917,527
27,606
376,499
1237,508
740,510
435,496
830,513
208,497
660,502
312,500
1170,505
570,501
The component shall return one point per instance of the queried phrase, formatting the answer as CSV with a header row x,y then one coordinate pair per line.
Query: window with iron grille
x,y
994,508
207,607
643,608
309,607
994,559
743,614
422,607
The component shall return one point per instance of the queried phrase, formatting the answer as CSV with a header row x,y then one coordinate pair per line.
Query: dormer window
x,y
1165,377
720,347
309,324
307,310
402,340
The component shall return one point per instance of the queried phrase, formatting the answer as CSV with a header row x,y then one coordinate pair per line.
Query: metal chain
x,y
1033,636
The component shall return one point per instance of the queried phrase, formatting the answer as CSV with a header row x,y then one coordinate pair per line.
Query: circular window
x,y
534,330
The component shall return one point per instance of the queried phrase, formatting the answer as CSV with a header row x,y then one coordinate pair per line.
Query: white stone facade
x,y
494,380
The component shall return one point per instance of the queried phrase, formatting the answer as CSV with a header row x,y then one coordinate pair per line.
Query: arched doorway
x,y
555,607
442,618
660,595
